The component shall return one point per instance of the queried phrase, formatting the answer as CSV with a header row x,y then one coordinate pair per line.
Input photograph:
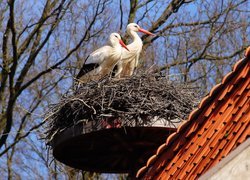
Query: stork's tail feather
x,y
86,68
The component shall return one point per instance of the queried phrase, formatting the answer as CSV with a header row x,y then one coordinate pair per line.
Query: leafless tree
x,y
198,39
44,43
37,41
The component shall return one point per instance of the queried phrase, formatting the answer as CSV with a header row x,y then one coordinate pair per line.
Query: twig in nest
x,y
139,100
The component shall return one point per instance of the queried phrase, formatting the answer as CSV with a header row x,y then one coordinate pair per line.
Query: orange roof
x,y
212,131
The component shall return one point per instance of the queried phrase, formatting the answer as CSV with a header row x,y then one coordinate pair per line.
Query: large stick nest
x,y
140,100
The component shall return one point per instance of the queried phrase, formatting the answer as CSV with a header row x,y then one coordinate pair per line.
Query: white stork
x,y
101,62
130,58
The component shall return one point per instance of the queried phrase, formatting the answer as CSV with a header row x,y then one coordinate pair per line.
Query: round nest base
x,y
114,150
115,126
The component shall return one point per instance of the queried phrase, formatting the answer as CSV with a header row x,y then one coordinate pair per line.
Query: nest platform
x,y
114,126
114,150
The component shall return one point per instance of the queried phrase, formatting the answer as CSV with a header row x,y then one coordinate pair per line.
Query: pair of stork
x,y
102,61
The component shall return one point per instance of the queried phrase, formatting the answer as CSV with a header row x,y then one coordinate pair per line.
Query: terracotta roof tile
x,y
219,124
247,53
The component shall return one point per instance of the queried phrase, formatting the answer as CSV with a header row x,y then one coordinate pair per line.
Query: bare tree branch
x,y
173,7
9,116
205,56
36,49
144,4
100,8
121,17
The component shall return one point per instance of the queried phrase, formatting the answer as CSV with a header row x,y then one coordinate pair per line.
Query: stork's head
x,y
136,28
116,39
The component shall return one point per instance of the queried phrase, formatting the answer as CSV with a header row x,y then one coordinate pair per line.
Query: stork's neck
x,y
117,48
134,36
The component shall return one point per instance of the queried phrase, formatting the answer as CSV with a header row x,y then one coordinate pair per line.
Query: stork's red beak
x,y
123,45
146,32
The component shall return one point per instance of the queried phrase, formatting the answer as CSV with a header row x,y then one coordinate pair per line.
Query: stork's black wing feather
x,y
86,68
114,70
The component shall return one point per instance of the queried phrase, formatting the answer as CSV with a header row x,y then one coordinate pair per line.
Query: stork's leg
x,y
119,70
131,68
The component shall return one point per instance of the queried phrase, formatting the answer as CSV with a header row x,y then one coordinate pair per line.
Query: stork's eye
x,y
135,26
116,36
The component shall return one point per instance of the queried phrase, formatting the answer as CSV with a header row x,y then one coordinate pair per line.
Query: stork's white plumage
x,y
101,62
130,58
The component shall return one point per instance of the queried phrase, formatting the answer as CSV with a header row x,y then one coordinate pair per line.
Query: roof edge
x,y
226,160
247,53
192,115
